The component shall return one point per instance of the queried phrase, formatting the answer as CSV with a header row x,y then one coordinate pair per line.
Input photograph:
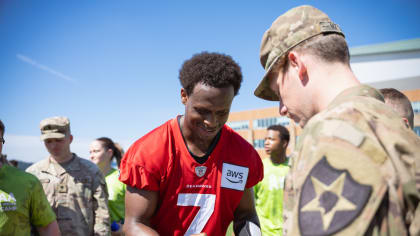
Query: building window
x,y
416,106
417,130
238,125
266,122
259,143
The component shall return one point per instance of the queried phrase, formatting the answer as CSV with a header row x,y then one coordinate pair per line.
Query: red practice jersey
x,y
193,197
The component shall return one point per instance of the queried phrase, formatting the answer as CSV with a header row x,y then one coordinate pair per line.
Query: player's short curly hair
x,y
212,69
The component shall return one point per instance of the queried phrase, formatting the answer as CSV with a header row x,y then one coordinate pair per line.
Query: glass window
x,y
259,143
238,125
266,122
417,130
416,106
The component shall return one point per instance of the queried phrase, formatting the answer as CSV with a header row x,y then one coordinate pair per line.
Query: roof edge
x,y
389,47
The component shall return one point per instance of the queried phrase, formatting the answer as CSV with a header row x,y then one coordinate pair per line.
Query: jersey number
x,y
206,204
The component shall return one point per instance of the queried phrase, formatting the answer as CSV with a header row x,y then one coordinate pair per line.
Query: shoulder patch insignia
x,y
330,200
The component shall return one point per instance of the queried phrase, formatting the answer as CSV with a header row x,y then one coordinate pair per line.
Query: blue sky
x,y
112,66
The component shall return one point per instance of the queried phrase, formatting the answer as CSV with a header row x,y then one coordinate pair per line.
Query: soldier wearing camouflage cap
x,y
354,165
75,187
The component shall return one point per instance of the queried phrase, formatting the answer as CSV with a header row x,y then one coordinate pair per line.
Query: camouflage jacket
x,y
353,171
77,193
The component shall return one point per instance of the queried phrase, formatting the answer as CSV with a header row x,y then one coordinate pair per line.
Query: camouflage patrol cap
x,y
287,31
54,127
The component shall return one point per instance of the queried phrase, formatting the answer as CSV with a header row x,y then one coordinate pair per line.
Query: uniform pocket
x,y
84,188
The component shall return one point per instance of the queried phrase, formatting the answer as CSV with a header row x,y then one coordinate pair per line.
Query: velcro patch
x,y
330,200
344,131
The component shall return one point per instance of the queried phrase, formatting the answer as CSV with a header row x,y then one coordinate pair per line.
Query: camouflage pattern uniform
x,y
77,193
353,171
353,168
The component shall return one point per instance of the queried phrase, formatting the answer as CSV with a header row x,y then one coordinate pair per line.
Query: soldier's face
x,y
59,147
98,154
272,142
206,110
295,100
281,83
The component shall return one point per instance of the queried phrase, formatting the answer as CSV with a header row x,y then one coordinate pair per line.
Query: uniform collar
x,y
357,91
57,169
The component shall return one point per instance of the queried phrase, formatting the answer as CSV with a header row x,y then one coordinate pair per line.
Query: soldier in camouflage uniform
x,y
353,167
400,104
75,187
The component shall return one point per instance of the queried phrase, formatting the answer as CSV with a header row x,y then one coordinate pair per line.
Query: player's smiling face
x,y
206,110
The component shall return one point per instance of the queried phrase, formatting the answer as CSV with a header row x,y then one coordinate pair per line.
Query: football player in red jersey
x,y
193,174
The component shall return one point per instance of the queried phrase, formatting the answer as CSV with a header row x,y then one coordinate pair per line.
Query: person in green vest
x,y
23,203
102,151
269,192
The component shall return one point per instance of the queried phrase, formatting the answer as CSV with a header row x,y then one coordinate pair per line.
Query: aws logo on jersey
x,y
234,177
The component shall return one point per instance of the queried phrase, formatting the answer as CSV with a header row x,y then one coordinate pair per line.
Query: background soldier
x,y
22,201
352,169
75,187
400,103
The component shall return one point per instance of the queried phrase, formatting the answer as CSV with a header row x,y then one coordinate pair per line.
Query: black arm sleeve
x,y
248,227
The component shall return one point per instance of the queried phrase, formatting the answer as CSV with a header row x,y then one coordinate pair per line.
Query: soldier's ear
x,y
297,62
184,96
406,122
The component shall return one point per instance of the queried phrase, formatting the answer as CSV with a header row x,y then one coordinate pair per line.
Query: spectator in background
x,y
23,203
102,152
401,104
75,187
269,192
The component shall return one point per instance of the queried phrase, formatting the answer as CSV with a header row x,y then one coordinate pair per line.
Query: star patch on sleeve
x,y
330,200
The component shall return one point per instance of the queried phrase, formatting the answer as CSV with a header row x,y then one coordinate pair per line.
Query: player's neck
x,y
196,145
